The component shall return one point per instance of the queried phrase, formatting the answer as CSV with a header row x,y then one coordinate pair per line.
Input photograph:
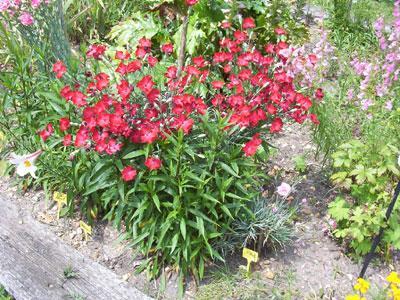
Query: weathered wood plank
x,y
32,261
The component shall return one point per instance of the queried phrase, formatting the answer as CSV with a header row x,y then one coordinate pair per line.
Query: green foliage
x,y
268,227
276,13
369,173
92,19
70,273
164,24
46,36
4,295
300,163
175,215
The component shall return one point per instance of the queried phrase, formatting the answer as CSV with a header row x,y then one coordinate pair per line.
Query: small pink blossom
x,y
4,5
284,189
366,103
389,105
35,3
26,19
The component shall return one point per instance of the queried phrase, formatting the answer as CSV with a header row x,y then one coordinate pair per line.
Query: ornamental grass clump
x,y
173,154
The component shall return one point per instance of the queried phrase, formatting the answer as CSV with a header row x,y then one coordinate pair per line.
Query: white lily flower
x,y
25,164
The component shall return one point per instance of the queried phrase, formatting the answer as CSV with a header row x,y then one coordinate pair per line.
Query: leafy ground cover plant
x,y
370,175
178,148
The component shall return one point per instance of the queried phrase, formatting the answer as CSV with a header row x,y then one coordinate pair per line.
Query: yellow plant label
x,y
87,230
251,256
61,200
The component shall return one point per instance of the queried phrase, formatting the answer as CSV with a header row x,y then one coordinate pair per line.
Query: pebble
x,y
269,274
126,276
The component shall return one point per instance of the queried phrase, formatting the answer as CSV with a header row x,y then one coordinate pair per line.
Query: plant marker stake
x,y
251,256
378,238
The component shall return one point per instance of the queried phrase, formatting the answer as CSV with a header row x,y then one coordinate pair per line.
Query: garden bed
x,y
176,134
291,271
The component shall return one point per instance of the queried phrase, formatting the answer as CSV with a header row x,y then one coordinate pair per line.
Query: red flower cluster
x,y
59,68
249,86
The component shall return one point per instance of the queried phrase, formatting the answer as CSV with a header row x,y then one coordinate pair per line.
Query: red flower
x,y
250,148
124,89
78,98
226,24
134,66
153,163
67,141
128,173
217,84
47,132
240,36
319,94
271,109
140,52
64,124
248,23
187,125
59,68
145,43
167,48
146,84
102,80
191,2
280,31
122,68
82,137
199,61
96,51
66,92
171,72
314,119
276,125
152,60
121,55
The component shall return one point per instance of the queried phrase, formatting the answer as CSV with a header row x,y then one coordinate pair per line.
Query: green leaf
x,y
182,226
134,154
174,242
228,169
156,201
200,226
339,209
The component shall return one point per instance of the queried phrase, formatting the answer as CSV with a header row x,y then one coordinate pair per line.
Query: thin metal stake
x,y
378,238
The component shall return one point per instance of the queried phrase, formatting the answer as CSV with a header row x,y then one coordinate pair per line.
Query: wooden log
x,y
33,260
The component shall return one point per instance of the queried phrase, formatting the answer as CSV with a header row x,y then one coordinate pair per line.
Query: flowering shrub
x,y
367,165
178,148
378,75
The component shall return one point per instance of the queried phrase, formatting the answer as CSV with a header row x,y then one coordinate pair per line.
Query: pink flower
x,y
4,5
389,105
284,189
26,19
191,2
366,103
35,3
